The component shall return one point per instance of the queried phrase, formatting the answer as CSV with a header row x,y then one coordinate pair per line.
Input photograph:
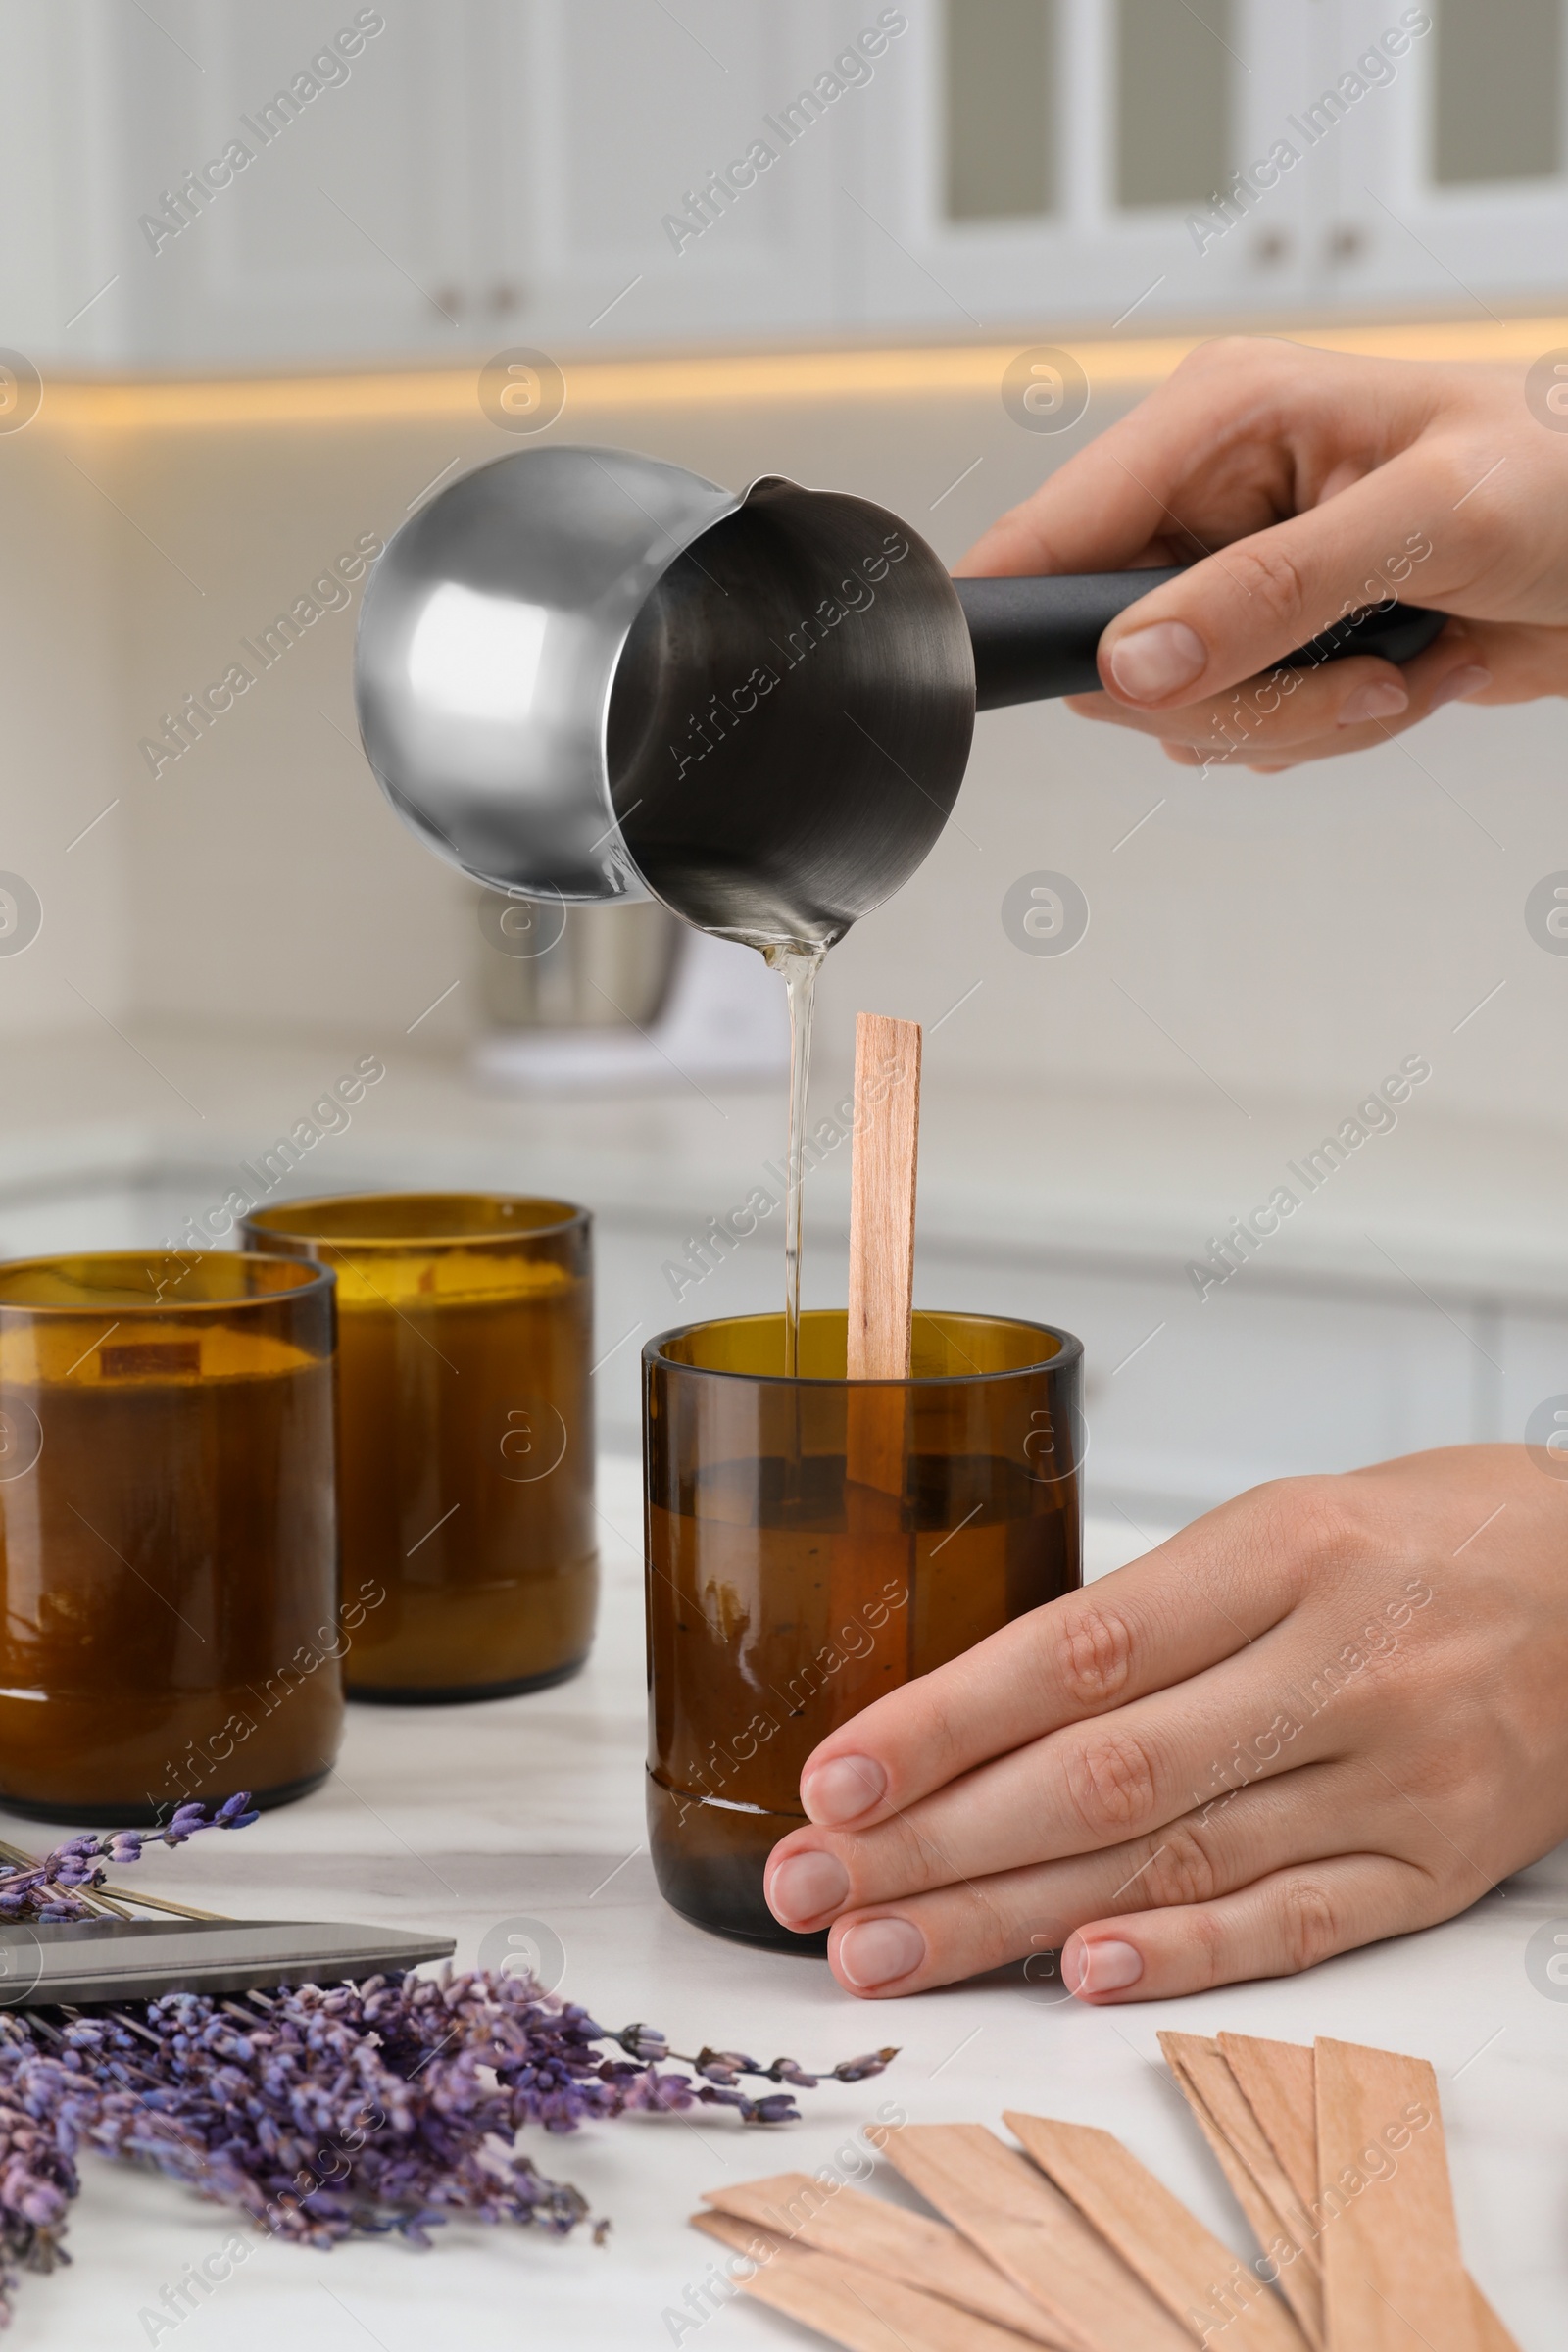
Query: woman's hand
x,y
1298,484
1332,1710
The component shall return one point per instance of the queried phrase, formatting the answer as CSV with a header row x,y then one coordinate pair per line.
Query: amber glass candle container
x,y
466,1443
813,1543
166,1541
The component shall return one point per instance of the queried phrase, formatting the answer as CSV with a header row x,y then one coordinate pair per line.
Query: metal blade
x,y
79,1962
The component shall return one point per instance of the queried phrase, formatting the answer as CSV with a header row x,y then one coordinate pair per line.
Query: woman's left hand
x,y
1331,1710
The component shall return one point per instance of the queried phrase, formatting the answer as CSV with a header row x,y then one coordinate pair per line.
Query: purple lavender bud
x,y
641,2041
777,2108
718,2094
785,2070
855,2070
722,2065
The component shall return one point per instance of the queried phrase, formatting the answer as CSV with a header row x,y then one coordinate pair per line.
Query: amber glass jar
x,y
172,1625
466,1443
816,1542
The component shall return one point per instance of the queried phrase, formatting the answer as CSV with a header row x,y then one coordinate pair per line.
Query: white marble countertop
x,y
531,1809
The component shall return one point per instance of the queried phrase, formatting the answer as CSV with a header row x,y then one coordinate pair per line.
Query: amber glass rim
x,y
304,1279
1069,1351
300,1221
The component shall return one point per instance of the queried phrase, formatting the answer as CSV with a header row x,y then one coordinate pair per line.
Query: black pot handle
x,y
1035,638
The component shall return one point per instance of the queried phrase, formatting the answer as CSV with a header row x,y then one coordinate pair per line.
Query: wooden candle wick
x,y
887,1132
879,1563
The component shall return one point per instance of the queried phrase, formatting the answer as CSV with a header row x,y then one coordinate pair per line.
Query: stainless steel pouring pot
x,y
585,674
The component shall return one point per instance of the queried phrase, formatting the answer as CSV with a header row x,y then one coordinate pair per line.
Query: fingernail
x,y
839,1791
1108,1967
804,1886
879,1950
1154,661
1384,698
1460,682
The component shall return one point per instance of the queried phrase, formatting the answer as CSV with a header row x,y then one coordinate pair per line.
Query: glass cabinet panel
x,y
1175,135
1498,103
1000,62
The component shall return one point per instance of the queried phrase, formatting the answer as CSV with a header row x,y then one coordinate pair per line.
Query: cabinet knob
x,y
505,298
448,301
1346,242
1271,248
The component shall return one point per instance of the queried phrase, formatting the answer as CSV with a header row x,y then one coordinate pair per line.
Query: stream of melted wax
x,y
799,967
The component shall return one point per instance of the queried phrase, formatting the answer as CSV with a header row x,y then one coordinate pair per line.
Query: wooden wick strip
x,y
1256,2177
1392,2268
860,2309
1206,2074
1280,2085
878,1561
1198,2279
1033,2233
1277,2079
879,2237
887,1130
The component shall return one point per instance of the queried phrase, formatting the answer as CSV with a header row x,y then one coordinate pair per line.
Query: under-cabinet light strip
x,y
397,394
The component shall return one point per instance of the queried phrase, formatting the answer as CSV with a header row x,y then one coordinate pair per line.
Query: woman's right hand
x,y
1306,483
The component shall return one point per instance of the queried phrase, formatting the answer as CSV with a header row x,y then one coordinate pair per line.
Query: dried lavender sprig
x,y
327,2113
56,1886
725,2066
324,2112
43,2110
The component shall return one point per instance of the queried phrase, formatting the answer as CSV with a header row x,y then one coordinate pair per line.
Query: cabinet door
x,y
269,184
1453,172
666,174
1114,162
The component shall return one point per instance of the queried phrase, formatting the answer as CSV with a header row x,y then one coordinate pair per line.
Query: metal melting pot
x,y
584,674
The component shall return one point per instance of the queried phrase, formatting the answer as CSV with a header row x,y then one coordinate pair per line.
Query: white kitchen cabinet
x,y
649,175
244,186
1096,160
483,176
478,174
